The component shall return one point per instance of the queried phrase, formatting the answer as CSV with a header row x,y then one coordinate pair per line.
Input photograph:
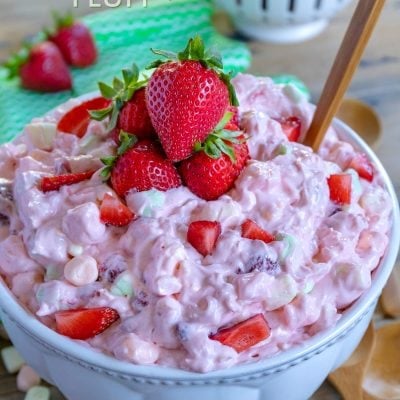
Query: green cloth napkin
x,y
123,36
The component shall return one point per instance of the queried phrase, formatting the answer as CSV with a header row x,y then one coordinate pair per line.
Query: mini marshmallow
x,y
123,285
41,134
27,378
38,393
12,360
81,270
75,250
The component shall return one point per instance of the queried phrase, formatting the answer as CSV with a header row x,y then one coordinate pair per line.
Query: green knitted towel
x,y
123,36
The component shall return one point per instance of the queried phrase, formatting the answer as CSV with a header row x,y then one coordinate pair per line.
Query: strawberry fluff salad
x,y
169,271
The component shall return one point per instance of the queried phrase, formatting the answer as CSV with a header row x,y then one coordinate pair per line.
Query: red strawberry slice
x,y
75,42
340,188
233,124
251,230
85,323
76,121
41,68
50,183
291,128
203,235
363,166
114,212
143,167
245,334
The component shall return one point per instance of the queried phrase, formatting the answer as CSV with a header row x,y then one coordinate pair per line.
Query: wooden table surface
x,y
376,82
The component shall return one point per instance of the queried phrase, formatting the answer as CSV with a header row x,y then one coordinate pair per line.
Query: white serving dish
x,y
281,21
84,374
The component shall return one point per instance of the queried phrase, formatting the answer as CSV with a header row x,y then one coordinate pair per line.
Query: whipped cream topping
x,y
171,298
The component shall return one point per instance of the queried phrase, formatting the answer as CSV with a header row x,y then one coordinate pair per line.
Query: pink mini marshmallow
x,y
27,378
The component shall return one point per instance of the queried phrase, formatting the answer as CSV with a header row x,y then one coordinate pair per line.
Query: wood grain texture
x,y
347,59
377,82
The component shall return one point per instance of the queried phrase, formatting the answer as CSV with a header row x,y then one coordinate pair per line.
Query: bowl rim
x,y
91,358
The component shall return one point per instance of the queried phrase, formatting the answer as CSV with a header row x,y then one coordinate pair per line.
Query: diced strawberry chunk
x,y
250,230
363,166
340,188
84,323
114,212
291,128
50,183
77,120
245,334
203,235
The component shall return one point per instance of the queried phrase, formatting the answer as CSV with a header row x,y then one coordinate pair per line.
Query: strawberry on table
x,y
77,120
203,235
50,183
363,166
291,127
245,334
340,188
187,96
74,40
139,166
127,110
251,230
216,164
41,68
114,212
85,323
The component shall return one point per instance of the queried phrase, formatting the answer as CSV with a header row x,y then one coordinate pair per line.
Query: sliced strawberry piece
x,y
251,230
85,323
203,235
114,212
340,188
49,183
77,120
291,128
245,334
363,166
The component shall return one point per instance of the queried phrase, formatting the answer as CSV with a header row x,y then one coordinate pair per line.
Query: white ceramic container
x,y
84,374
281,21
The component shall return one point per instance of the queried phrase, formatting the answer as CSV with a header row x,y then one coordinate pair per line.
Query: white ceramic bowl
x,y
84,374
281,21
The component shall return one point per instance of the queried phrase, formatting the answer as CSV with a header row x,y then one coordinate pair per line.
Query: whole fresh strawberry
x,y
215,166
187,96
139,166
41,68
74,40
128,109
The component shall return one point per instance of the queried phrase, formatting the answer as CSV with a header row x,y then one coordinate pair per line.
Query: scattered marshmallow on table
x,y
27,378
13,362
38,393
81,270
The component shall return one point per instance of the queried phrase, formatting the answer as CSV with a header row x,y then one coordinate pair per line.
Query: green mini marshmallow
x,y
356,188
289,245
294,81
38,393
156,200
12,360
283,149
308,287
123,285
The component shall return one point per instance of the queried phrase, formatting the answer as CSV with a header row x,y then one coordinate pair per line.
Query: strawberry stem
x,y
220,141
120,92
196,51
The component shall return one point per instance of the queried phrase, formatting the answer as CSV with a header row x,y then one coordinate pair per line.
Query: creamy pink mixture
x,y
321,263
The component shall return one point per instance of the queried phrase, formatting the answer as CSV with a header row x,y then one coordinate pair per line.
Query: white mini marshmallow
x,y
38,393
75,250
131,348
81,270
41,134
12,360
27,378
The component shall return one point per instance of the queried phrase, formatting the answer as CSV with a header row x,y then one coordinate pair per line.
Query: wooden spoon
x,y
348,378
346,62
382,377
362,119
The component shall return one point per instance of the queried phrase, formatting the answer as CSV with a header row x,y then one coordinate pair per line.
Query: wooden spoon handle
x,y
346,62
390,298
